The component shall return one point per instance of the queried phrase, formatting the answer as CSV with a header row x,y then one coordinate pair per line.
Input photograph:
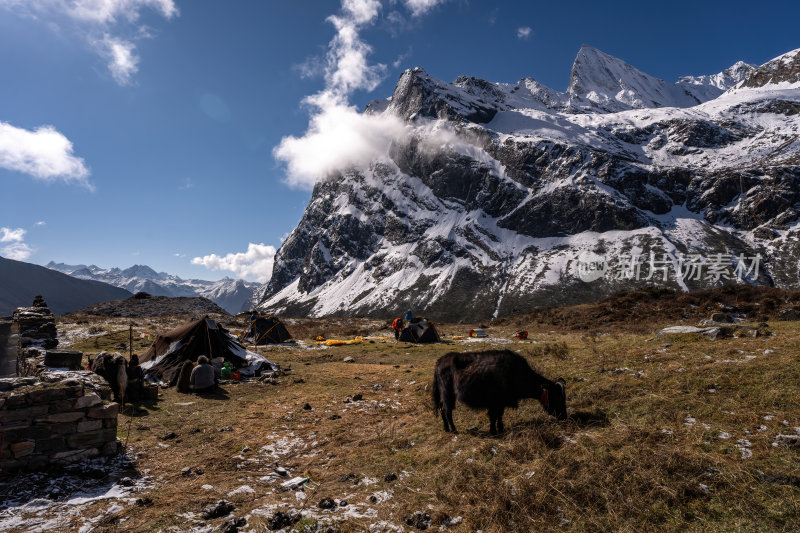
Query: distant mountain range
x,y
503,197
20,282
233,295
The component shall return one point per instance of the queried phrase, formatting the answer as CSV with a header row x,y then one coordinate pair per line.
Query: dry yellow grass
x,y
659,438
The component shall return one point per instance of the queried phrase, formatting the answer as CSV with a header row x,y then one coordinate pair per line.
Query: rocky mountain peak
x,y
783,69
610,84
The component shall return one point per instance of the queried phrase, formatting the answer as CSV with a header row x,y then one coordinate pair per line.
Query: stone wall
x,y
55,419
8,350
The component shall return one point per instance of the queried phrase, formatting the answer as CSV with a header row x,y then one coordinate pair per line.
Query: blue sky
x,y
143,131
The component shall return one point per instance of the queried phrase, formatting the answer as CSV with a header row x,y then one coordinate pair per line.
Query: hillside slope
x,y
20,282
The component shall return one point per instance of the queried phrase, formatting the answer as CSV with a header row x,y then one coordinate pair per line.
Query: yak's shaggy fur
x,y
492,380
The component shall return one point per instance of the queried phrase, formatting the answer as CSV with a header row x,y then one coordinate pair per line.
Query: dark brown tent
x,y
419,330
266,330
164,359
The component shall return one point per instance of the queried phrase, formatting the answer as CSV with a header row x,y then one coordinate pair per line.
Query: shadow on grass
x,y
589,419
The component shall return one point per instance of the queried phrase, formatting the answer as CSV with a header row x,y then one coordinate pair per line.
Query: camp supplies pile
x,y
163,361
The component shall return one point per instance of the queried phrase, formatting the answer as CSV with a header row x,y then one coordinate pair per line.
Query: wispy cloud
x,y
524,33
40,223
421,7
253,265
402,57
123,62
187,184
14,245
178,254
111,27
43,153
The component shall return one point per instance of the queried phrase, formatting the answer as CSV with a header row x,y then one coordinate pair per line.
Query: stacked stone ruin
x,y
55,423
52,413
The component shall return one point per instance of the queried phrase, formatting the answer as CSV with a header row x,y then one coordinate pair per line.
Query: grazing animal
x,y
492,380
114,368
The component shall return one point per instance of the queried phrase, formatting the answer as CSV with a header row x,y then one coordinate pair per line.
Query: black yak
x,y
113,367
492,380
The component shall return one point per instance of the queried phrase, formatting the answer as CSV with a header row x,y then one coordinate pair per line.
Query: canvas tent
x,y
266,330
163,361
419,329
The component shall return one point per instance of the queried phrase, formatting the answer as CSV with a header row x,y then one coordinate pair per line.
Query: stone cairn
x,y
37,325
36,329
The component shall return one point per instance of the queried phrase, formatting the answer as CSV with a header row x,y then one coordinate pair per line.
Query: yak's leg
x,y
492,418
499,416
450,421
444,419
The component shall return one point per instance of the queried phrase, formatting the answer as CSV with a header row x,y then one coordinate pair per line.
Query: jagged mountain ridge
x,y
484,207
233,295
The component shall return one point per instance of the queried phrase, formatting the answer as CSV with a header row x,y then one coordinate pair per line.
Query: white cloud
x,y
254,265
19,251
524,32
12,235
123,62
338,136
40,223
99,22
421,7
15,248
43,153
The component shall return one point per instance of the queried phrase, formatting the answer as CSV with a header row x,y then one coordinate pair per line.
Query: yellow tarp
x,y
336,342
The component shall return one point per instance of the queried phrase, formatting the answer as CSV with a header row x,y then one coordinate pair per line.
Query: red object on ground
x,y
521,334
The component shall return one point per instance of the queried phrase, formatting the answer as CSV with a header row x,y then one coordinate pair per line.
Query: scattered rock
x,y
349,359
419,519
199,471
186,471
226,428
377,387
348,477
298,380
282,520
391,476
217,510
233,525
357,397
169,436
144,502
343,503
334,417
326,503
787,314
306,407
142,427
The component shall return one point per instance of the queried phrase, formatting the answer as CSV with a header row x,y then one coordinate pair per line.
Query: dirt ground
x,y
674,432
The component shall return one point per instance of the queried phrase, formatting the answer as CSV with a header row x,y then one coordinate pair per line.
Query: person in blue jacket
x,y
409,316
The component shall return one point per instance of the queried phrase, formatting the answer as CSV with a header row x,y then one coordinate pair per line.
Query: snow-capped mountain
x,y
233,295
503,197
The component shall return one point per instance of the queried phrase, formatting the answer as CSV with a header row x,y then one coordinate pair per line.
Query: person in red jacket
x,y
397,326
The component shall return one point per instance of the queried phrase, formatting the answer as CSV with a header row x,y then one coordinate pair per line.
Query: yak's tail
x,y
436,397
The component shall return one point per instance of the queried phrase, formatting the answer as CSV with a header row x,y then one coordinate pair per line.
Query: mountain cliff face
x,y
503,197
233,295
